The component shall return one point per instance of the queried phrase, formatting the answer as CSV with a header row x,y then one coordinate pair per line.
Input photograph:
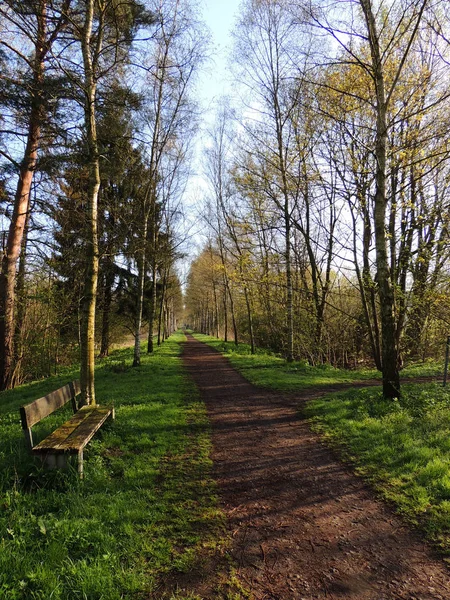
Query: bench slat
x,y
74,434
58,436
42,407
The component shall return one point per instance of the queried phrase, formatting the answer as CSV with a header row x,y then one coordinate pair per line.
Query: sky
x,y
220,17
214,81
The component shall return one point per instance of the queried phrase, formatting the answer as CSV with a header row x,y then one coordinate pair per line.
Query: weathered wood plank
x,y
42,407
75,433
86,430
53,441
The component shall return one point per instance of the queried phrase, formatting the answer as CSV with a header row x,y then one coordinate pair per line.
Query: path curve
x,y
303,525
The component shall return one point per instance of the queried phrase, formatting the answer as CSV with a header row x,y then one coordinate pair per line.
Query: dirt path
x,y
303,525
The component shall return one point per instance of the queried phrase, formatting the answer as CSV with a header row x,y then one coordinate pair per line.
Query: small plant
x,y
118,366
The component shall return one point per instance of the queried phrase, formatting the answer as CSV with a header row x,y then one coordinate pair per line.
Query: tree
x,y
267,50
35,29
383,92
105,32
218,175
178,49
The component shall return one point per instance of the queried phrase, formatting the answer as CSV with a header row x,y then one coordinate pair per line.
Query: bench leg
x,y
49,461
61,461
80,464
54,461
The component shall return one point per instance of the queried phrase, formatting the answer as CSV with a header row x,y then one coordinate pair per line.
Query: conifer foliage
x,y
82,156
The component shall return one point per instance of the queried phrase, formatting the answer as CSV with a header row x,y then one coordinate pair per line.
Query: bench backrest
x,y
34,412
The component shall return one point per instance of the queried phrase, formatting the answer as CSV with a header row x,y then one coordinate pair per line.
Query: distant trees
x,y
338,180
177,51
267,51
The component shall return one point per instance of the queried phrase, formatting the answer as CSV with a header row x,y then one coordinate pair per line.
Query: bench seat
x,y
72,436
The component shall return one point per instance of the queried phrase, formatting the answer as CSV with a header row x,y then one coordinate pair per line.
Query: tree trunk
x,y
289,294
216,311
19,332
233,318
20,210
166,321
225,314
87,371
152,309
140,299
365,285
287,224
107,301
161,309
389,350
249,318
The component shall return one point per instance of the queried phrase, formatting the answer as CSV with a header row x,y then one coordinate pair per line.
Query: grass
x,y
271,371
146,508
401,446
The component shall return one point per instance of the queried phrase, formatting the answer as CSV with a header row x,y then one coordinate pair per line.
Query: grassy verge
x,y
271,371
402,447
147,504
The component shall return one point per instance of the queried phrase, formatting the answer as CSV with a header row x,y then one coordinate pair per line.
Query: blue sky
x,y
220,17
214,81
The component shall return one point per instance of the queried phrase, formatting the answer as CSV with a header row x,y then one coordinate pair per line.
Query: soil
x,y
302,524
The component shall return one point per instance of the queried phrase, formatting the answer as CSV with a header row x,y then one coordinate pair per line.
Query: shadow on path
x,y
303,525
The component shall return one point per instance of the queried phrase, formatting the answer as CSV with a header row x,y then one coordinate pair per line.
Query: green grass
x,y
146,508
427,368
402,446
271,371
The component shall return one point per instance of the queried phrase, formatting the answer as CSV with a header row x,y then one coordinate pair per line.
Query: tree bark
x,y
87,350
225,313
152,309
389,349
21,207
140,298
19,330
161,308
107,301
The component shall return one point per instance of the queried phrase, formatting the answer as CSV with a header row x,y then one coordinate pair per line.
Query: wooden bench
x,y
73,435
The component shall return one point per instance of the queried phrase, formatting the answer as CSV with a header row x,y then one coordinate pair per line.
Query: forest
x,y
97,117
324,205
224,314
328,201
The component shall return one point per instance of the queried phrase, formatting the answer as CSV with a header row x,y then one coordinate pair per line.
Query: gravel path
x,y
303,525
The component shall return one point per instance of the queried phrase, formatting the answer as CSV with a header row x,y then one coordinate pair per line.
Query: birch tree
x,y
105,33
178,50
383,50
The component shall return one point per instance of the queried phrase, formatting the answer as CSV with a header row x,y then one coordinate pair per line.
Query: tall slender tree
x,y
33,30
